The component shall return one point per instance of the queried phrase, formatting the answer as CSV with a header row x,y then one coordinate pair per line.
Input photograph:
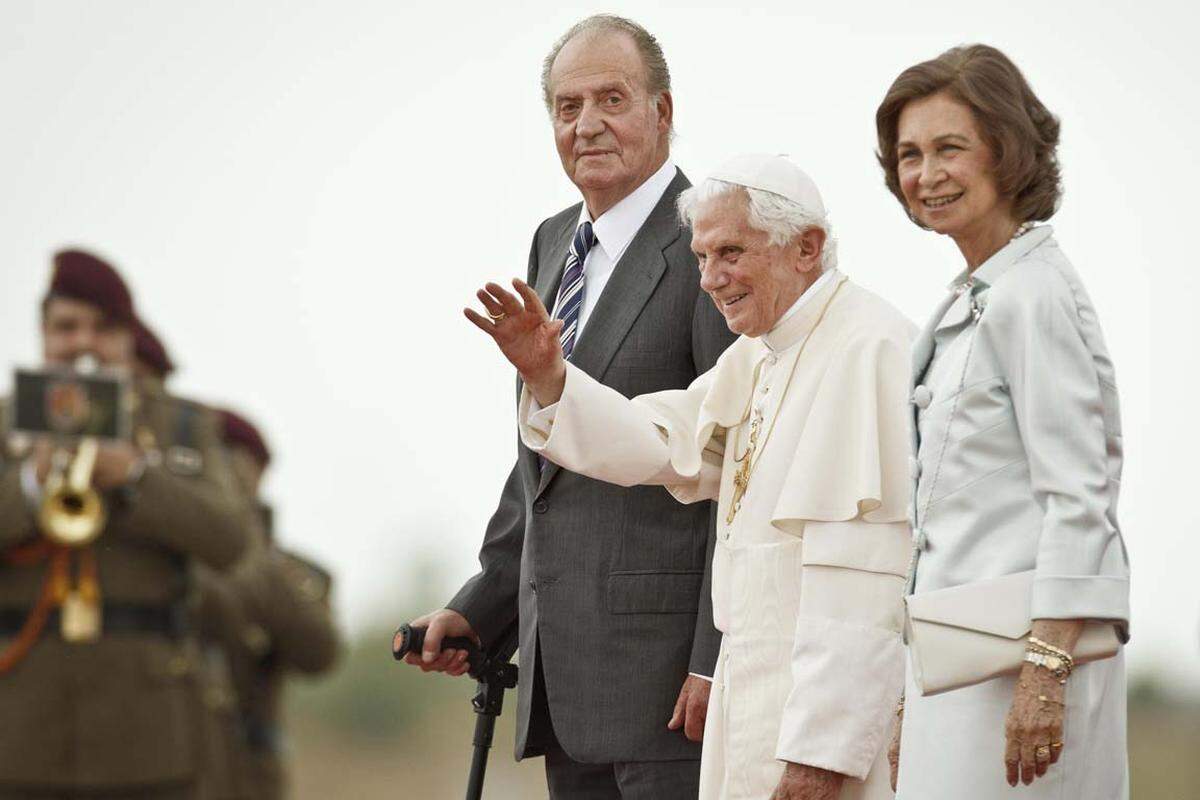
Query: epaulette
x,y
182,452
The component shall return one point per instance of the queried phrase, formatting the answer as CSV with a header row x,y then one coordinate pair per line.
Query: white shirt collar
x,y
616,227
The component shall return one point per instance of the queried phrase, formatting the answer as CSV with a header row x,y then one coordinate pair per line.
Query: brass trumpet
x,y
72,512
76,407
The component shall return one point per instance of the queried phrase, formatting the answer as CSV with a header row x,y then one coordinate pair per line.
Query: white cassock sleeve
x,y
847,656
652,439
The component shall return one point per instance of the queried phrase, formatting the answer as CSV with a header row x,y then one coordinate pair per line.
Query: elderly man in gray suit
x,y
616,634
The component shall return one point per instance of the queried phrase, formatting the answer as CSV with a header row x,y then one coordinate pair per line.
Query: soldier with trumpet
x,y
98,664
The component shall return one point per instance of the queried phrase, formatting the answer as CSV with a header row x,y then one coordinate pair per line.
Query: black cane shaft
x,y
484,727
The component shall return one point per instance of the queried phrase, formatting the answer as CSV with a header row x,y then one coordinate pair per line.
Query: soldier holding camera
x,y
98,664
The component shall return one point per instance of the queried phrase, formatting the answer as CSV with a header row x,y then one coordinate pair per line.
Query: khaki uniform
x,y
113,718
270,615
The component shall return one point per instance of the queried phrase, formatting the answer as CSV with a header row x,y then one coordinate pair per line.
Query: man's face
x,y
610,133
72,328
751,281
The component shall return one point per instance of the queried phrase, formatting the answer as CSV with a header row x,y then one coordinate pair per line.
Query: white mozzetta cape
x,y
808,579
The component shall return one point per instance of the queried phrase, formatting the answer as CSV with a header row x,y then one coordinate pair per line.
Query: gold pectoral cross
x,y
741,478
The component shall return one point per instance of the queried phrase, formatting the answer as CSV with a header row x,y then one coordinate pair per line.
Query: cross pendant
x,y
741,480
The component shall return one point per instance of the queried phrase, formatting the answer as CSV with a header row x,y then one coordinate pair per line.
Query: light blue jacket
x,y
1017,436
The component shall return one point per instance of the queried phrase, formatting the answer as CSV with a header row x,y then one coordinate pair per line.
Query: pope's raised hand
x,y
521,327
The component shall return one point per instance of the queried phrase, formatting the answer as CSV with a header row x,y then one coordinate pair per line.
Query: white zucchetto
x,y
775,174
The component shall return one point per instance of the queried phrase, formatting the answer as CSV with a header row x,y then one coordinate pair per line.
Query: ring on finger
x,y
497,317
1042,753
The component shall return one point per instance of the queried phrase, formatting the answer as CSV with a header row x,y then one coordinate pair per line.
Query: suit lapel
x,y
633,281
552,258
923,347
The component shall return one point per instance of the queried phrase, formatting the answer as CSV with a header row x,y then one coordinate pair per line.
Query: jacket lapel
x,y
923,347
633,281
553,259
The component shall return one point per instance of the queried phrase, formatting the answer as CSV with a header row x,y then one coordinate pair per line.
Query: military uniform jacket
x,y
270,616
120,711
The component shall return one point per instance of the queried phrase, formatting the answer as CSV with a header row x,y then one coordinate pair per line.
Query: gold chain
x,y
750,458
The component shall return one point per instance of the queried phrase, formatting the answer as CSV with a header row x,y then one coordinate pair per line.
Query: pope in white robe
x,y
799,433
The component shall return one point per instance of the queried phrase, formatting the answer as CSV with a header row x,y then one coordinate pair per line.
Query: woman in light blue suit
x,y
1018,439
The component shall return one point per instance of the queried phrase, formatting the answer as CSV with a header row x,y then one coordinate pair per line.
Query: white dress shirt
x,y
614,231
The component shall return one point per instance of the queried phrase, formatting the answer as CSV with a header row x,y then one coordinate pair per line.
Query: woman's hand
x,y
1034,728
526,335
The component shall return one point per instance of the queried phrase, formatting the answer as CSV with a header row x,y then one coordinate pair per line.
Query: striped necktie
x,y
570,296
570,293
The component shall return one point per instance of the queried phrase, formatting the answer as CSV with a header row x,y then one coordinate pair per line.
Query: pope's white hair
x,y
781,219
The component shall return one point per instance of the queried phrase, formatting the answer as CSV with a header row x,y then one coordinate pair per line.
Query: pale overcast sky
x,y
304,196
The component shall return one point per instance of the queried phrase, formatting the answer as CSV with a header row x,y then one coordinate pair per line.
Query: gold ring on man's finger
x,y
497,317
1056,745
1042,753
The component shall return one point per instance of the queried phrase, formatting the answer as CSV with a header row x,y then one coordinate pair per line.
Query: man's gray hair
x,y
658,77
781,219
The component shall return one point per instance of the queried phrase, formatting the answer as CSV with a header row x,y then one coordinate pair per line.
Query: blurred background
x,y
304,195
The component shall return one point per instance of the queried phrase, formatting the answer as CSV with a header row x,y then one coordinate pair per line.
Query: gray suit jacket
x,y
612,584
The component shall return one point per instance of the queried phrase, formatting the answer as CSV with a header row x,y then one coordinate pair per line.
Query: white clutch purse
x,y
972,633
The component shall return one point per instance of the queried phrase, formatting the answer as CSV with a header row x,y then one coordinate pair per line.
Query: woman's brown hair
x,y
1021,132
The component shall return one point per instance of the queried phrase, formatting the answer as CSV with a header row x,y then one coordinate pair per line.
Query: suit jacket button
x,y
533,585
922,397
540,506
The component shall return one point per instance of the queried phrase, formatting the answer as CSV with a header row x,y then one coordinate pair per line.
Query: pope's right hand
x,y
526,335
440,624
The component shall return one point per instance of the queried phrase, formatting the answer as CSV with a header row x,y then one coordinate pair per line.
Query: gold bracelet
x,y
1058,651
1056,666
1040,647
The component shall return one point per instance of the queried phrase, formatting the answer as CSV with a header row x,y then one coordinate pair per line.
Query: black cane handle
x,y
412,640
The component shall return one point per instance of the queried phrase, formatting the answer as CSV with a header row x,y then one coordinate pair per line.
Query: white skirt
x,y
953,743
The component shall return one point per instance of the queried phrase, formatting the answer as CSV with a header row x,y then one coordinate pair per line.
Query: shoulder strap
x,y
185,429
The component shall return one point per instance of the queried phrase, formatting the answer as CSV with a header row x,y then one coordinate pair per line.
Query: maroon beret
x,y
82,276
240,432
149,350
